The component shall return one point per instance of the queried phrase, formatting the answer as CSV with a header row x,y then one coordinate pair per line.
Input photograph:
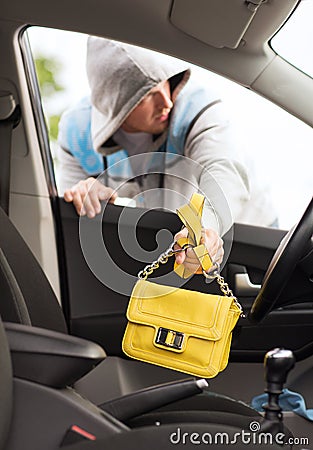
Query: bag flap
x,y
194,313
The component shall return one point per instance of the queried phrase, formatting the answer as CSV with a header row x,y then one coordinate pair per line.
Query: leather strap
x,y
191,214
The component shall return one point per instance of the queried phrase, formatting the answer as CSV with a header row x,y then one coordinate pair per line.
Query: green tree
x,y
48,70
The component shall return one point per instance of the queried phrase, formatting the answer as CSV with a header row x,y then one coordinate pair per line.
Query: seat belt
x,y
9,118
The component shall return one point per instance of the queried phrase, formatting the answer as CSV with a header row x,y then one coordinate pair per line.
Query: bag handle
x,y
191,214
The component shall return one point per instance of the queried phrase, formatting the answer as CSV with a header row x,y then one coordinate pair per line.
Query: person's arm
x,y
222,179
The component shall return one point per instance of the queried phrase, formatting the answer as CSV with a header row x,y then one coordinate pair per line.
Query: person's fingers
x,y
106,193
191,261
180,257
214,244
211,240
68,196
88,206
219,255
78,198
76,194
92,202
87,195
181,234
187,257
98,192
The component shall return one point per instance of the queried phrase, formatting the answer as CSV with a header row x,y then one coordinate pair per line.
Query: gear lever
x,y
278,363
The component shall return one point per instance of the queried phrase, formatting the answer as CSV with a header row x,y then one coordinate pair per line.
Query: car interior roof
x,y
155,25
150,24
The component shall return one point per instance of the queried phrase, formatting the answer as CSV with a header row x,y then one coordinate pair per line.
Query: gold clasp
x,y
169,338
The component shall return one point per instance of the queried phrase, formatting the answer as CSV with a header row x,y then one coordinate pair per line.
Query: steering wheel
x,y
282,265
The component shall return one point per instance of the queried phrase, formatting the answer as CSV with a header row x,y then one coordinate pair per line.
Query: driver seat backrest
x,y
26,294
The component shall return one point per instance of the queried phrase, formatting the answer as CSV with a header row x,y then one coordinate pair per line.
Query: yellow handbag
x,y
180,329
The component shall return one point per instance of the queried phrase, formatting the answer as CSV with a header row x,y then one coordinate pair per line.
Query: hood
x,y
120,75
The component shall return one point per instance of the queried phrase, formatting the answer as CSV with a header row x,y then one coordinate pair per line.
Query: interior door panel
x,y
104,255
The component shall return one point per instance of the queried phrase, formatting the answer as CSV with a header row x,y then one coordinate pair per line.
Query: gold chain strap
x,y
162,259
213,274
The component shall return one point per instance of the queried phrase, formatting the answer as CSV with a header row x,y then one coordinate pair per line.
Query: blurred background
x,y
261,126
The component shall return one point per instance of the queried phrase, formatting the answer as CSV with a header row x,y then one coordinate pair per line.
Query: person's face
x,y
152,113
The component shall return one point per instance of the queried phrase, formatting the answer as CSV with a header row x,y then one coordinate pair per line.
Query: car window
x,y
294,40
276,147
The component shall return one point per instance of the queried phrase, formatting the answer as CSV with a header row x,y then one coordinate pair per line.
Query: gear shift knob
x,y
278,363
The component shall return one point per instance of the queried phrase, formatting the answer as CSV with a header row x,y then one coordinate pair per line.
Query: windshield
x,y
294,41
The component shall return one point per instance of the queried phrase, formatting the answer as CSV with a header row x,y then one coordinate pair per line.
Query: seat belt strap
x,y
9,119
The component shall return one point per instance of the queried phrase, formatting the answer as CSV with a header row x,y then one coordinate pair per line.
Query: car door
x,y
100,279
100,258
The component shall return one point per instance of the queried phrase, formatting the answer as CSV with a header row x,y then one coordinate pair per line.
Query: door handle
x,y
244,287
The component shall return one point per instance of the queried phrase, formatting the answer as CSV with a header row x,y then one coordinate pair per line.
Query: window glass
x,y
276,147
294,41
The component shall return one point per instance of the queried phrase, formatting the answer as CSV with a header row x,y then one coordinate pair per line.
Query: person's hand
x,y
212,242
86,196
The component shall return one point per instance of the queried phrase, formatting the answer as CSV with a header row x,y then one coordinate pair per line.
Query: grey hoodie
x,y
120,75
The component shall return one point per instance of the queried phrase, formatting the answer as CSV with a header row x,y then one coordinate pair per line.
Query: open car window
x,y
276,147
294,40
